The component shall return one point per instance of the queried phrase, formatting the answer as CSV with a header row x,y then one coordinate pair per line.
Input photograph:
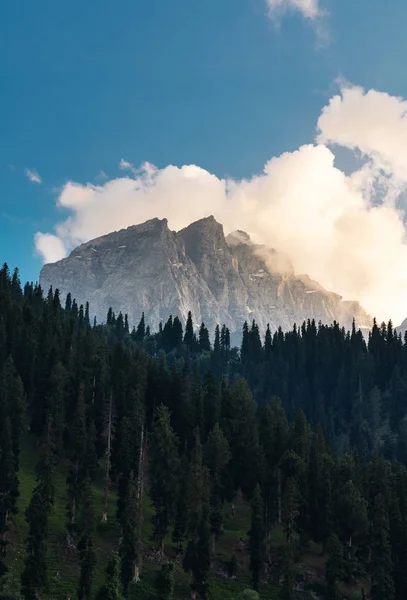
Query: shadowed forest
x,y
170,465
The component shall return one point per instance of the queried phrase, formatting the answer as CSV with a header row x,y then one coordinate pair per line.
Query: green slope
x,y
63,569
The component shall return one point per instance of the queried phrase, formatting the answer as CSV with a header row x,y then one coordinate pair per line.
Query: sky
x,y
286,118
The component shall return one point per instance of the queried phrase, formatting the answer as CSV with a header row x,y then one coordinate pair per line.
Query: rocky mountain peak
x,y
149,268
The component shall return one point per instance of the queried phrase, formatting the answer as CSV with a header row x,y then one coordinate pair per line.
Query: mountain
x,y
227,280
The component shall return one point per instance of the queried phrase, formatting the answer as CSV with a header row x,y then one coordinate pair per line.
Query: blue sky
x,y
217,84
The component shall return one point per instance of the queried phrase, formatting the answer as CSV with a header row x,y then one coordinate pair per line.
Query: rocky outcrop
x,y
149,268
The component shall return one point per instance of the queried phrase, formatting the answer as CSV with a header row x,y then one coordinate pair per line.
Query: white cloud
x,y
310,9
124,165
32,175
343,230
372,122
50,246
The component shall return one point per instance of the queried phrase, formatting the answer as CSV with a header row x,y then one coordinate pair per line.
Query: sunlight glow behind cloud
x,y
345,231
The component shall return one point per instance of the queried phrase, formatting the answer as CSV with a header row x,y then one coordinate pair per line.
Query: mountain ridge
x,y
221,279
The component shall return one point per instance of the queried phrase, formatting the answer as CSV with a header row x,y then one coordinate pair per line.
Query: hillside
x,y
63,565
279,466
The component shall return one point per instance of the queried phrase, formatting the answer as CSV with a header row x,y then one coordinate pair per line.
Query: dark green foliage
x,y
164,582
197,558
334,568
306,427
129,549
289,572
249,595
164,462
34,575
112,587
257,537
381,561
85,526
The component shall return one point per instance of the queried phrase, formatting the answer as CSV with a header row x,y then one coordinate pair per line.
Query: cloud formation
x,y
50,245
347,231
32,175
310,9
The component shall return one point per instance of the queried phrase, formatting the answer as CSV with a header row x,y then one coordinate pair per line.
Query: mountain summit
x,y
222,280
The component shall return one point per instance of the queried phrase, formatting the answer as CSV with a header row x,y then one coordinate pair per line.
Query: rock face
x,y
222,280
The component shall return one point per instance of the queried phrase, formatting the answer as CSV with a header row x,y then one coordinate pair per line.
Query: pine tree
x,y
216,345
141,330
78,446
217,457
8,487
245,351
203,340
334,568
291,467
197,559
112,587
268,343
257,537
382,584
164,461
288,585
34,575
196,488
85,527
129,549
164,582
189,332
211,403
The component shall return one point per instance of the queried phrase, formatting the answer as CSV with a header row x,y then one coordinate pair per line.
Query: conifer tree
x,y
245,351
141,330
211,403
129,549
203,340
164,461
34,576
216,345
288,585
78,446
382,584
217,457
8,486
257,537
164,582
196,488
197,559
189,332
85,527
111,590
291,467
334,567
